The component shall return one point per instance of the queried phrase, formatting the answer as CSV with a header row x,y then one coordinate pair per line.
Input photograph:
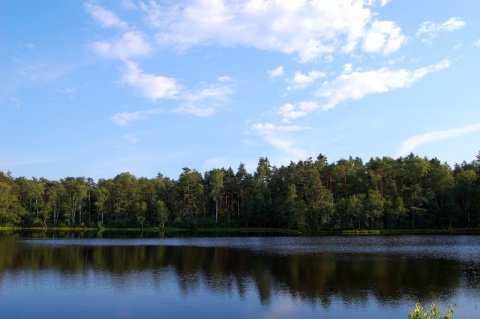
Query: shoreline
x,y
452,231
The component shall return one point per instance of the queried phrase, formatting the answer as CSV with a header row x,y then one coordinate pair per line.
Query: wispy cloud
x,y
150,86
384,2
124,118
268,128
69,91
204,100
128,4
412,143
428,30
127,45
356,85
292,111
104,17
200,101
477,43
39,71
301,81
225,78
275,73
276,136
285,145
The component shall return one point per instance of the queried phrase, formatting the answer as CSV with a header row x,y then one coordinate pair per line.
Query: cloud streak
x,y
268,128
104,17
205,100
275,136
428,30
357,85
412,143
127,45
275,73
301,81
285,145
353,86
124,118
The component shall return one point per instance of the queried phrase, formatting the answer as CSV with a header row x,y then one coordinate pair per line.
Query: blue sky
x,y
96,88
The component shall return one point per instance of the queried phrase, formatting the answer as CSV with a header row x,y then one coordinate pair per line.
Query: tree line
x,y
310,195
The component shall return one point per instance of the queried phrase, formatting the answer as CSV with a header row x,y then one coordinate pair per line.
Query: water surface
x,y
237,277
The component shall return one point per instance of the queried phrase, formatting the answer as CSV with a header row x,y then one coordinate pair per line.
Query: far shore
x,y
216,230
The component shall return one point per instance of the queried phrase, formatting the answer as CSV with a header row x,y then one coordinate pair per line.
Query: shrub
x,y
419,313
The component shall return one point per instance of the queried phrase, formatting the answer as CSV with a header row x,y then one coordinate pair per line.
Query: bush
x,y
419,313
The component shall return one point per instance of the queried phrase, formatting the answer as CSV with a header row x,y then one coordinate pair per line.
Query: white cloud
x,y
149,85
347,68
205,100
104,17
410,144
301,81
477,43
428,30
200,101
124,118
357,85
275,73
384,2
285,145
157,16
225,78
268,128
308,29
275,136
129,44
383,36
290,111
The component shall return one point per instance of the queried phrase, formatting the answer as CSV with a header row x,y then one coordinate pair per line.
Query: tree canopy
x,y
313,195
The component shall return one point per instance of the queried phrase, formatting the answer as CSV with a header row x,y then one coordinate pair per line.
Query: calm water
x,y
236,277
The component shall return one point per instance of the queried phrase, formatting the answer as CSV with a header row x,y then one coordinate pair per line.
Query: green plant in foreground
x,y
419,313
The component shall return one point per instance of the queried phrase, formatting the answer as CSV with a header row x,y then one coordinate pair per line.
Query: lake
x,y
71,275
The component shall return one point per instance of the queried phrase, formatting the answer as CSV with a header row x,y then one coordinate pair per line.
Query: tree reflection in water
x,y
350,277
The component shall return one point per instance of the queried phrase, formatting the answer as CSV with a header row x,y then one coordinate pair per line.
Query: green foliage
x,y
419,313
408,193
162,213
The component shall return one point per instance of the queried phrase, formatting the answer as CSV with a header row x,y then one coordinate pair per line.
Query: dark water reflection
x,y
252,277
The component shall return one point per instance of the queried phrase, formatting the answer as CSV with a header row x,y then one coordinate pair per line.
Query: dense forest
x,y
312,195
